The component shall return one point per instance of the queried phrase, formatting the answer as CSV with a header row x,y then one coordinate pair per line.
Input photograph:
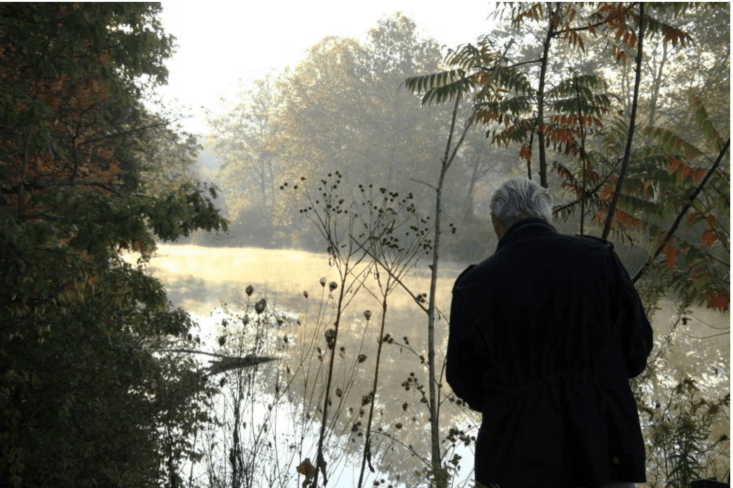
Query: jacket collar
x,y
530,227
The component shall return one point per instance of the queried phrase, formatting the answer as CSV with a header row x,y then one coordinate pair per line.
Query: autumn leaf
x,y
708,238
685,172
647,184
628,220
671,254
697,177
718,302
674,164
526,152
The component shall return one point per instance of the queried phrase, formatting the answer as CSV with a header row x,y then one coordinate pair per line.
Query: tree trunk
x,y
541,98
440,474
467,211
656,87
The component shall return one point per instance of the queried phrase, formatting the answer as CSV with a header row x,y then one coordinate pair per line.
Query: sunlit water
x,y
211,284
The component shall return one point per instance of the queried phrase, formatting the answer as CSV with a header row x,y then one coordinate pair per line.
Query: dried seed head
x,y
260,305
330,335
333,285
322,281
367,314
249,290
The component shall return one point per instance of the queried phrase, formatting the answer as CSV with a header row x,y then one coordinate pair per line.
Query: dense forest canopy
x,y
622,110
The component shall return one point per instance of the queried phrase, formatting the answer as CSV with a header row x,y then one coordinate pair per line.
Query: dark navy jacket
x,y
544,336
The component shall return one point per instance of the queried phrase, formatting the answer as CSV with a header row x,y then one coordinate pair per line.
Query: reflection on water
x,y
203,280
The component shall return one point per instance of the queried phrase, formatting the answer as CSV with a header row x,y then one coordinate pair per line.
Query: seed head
x,y
330,338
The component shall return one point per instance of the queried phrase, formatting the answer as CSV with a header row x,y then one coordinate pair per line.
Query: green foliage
x,y
84,399
680,447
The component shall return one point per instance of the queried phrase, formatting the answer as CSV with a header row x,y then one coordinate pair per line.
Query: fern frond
x,y
711,134
514,133
468,56
634,204
514,106
673,142
448,91
514,80
443,86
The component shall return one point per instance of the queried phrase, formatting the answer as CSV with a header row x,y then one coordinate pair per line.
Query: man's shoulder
x,y
464,273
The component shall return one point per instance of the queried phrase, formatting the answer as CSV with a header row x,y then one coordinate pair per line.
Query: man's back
x,y
544,337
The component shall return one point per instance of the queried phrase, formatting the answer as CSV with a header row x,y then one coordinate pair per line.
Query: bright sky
x,y
223,42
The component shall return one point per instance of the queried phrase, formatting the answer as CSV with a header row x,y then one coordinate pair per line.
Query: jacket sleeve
x,y
636,332
463,368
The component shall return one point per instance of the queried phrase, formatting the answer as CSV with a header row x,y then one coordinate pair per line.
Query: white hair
x,y
519,197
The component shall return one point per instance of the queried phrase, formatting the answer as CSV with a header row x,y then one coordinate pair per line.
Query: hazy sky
x,y
222,42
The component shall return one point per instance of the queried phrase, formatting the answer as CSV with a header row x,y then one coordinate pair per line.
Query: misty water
x,y
211,284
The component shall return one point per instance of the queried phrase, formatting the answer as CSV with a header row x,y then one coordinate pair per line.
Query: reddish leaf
x,y
606,192
719,302
647,184
685,172
628,220
708,238
671,254
526,152
674,164
697,177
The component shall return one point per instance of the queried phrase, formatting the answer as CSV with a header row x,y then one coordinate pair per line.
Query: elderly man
x,y
544,336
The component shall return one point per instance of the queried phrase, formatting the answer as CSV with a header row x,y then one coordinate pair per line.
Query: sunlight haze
x,y
220,44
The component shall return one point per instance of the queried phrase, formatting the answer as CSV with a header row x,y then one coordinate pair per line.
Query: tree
x,y
243,140
80,387
341,108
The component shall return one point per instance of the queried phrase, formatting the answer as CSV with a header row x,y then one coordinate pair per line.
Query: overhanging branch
x,y
682,213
